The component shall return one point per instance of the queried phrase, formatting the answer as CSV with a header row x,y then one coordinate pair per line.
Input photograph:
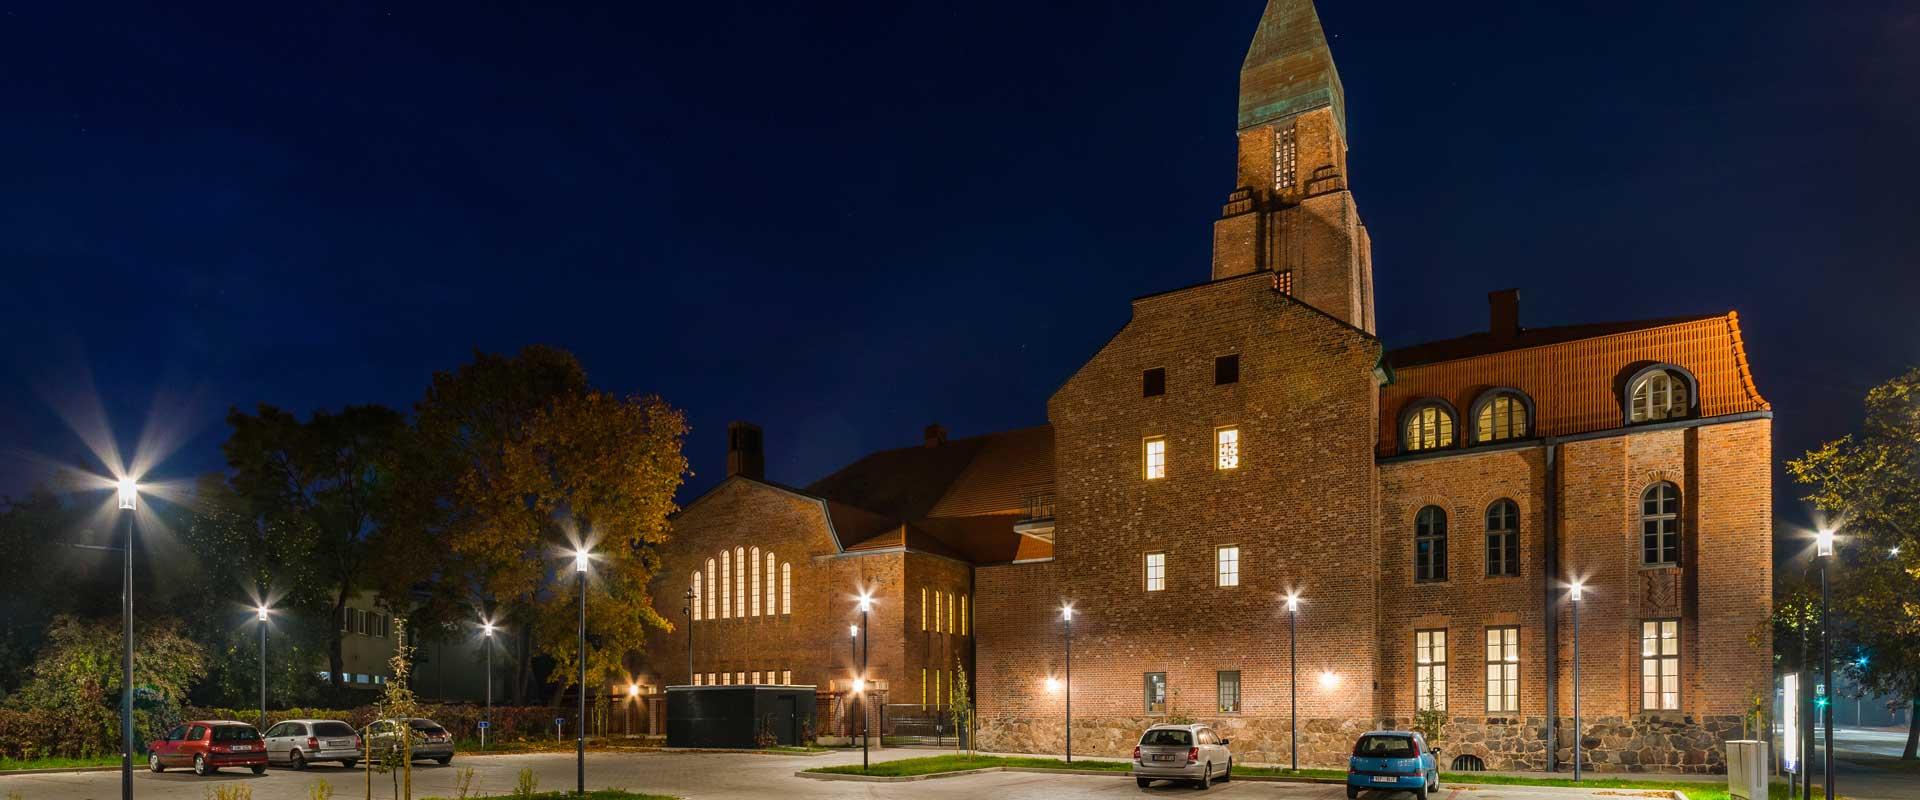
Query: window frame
x,y
697,596
1666,665
1670,531
1509,677
1435,639
1147,566
1435,570
1219,448
1509,546
786,588
1439,405
1487,398
1220,566
1147,460
1220,694
1685,377
1226,369
1147,684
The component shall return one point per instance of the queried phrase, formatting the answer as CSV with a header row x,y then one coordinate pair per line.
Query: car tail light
x,y
313,743
1193,755
1136,752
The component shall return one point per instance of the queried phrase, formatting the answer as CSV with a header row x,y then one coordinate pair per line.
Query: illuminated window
x,y
739,582
698,679
1156,571
696,596
1503,539
739,678
771,582
1660,525
952,612
963,615
1156,691
1227,563
1429,427
923,608
710,588
1156,458
786,588
1430,670
1660,664
1503,670
755,596
786,677
923,686
756,679
1226,448
1657,395
1227,687
1286,155
936,612
1430,545
726,584
1502,416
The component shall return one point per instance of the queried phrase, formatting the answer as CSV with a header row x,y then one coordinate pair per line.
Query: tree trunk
x,y
335,661
1913,730
523,667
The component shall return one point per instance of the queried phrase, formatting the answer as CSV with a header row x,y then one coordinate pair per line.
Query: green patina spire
x,y
1289,68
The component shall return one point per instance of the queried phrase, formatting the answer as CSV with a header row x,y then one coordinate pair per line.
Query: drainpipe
x,y
1550,573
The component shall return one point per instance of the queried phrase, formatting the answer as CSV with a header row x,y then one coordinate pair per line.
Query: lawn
x,y
603,794
1695,790
954,763
10,764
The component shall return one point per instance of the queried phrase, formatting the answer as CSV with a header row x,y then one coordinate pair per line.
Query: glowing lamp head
x,y
853,631
1823,543
486,629
866,602
580,561
1894,552
1053,684
262,612
1574,590
1066,613
129,493
859,685
633,690
1329,680
1293,601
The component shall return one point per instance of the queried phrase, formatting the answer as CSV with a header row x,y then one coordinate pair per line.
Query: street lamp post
x,y
1066,616
580,741
486,631
1293,678
128,494
262,619
1573,598
687,611
1823,548
859,684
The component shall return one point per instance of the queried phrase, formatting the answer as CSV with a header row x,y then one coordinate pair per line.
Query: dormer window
x,y
1500,415
1658,393
1428,426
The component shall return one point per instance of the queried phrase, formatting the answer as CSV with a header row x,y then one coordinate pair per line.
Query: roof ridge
x,y
1625,327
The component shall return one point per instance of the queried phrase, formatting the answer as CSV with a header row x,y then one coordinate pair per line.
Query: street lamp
x,y
1293,678
1573,599
129,493
1066,617
261,614
580,559
1823,550
486,632
859,683
687,611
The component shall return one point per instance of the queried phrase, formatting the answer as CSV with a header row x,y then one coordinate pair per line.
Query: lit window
x,y
739,679
697,679
786,587
923,608
923,686
1156,458
1503,539
1660,525
1657,395
739,582
786,677
756,679
755,605
936,612
1660,664
696,596
1227,560
1503,670
1503,416
726,584
952,612
1156,571
711,588
963,615
1286,154
770,583
1226,448
1156,692
1430,545
1430,670
1228,688
1429,427
710,680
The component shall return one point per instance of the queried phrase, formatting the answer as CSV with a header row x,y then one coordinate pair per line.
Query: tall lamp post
x,y
1293,678
261,612
860,683
1066,616
486,632
1823,549
129,493
580,742
1573,599
687,611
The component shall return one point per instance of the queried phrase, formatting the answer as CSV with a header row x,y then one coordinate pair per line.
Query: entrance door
x,y
790,717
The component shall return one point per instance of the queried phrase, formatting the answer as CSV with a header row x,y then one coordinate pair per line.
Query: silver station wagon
x,y
299,742
1182,753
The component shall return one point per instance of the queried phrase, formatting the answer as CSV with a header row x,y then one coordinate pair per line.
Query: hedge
x,y
510,723
84,732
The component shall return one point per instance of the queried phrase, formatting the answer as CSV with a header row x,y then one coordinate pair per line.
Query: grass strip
x,y
603,794
11,764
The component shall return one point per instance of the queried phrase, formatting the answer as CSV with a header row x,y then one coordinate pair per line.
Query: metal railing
x,y
1039,506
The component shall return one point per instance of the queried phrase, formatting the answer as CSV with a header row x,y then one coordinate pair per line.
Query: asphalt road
x,y
697,776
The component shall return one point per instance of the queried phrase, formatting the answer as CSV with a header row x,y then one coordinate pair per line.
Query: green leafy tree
x,y
1870,481
960,699
78,672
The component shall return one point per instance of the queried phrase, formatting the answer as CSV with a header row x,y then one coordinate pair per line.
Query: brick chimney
x,y
1503,317
745,456
936,435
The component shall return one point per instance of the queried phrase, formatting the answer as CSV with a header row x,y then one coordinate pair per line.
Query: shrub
x,y
320,790
526,786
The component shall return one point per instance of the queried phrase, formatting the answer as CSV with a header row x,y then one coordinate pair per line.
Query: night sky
x,y
844,222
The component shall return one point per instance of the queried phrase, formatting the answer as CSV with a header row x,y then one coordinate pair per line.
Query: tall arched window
x,y
696,595
963,615
711,588
1501,415
755,596
1660,525
726,584
1503,539
1430,545
1428,427
771,583
739,581
1658,394
786,588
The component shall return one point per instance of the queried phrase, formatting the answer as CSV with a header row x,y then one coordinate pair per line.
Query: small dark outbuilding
x,y
733,716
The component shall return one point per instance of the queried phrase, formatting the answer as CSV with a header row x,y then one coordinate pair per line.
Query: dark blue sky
x,y
845,221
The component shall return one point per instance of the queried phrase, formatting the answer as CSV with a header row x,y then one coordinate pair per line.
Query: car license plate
x,y
243,748
338,743
1385,779
1163,758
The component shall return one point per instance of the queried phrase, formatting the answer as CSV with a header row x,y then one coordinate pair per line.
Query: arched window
x,y
963,615
1659,393
1430,545
1660,525
1500,415
710,588
726,584
1503,539
755,596
786,588
739,581
771,582
696,595
1428,426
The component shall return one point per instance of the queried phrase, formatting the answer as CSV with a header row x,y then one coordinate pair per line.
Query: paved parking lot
x,y
697,776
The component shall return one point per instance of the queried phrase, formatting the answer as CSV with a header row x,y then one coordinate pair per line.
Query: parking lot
x,y
698,776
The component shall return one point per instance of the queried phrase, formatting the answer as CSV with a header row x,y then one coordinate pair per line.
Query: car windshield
x,y
428,726
1167,737
1384,747
234,733
332,729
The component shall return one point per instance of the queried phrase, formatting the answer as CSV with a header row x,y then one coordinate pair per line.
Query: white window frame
x,y
696,595
753,566
1660,664
771,583
1226,447
726,584
1155,565
786,588
1226,560
1503,669
1154,457
1430,669
739,582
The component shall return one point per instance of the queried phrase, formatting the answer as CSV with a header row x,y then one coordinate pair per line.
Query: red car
x,y
208,745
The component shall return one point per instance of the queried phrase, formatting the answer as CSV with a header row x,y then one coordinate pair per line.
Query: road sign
x,y
485,724
559,720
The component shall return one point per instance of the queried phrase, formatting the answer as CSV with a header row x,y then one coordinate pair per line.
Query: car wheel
x,y
1352,793
296,761
200,766
349,763
1420,793
259,769
153,763
1206,777
1228,775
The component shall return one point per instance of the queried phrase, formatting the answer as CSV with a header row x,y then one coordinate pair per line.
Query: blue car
x,y
1394,761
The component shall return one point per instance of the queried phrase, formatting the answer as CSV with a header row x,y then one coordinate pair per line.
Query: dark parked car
x,y
208,745
431,742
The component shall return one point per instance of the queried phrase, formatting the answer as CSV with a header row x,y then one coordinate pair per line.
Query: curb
x,y
841,776
52,770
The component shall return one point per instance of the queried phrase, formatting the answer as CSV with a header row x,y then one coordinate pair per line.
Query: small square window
x,y
1153,382
1226,369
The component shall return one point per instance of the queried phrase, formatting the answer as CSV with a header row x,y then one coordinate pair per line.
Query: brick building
x,y
1249,438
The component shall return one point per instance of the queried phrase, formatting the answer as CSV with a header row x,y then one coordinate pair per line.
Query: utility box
x,y
734,716
1748,763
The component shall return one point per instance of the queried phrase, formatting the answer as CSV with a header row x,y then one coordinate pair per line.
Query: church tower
x,y
1292,213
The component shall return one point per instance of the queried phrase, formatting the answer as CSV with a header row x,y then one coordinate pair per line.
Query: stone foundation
x,y
1648,743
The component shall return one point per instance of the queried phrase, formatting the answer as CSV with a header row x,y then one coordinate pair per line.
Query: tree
x,y
319,487
1870,482
77,672
960,699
